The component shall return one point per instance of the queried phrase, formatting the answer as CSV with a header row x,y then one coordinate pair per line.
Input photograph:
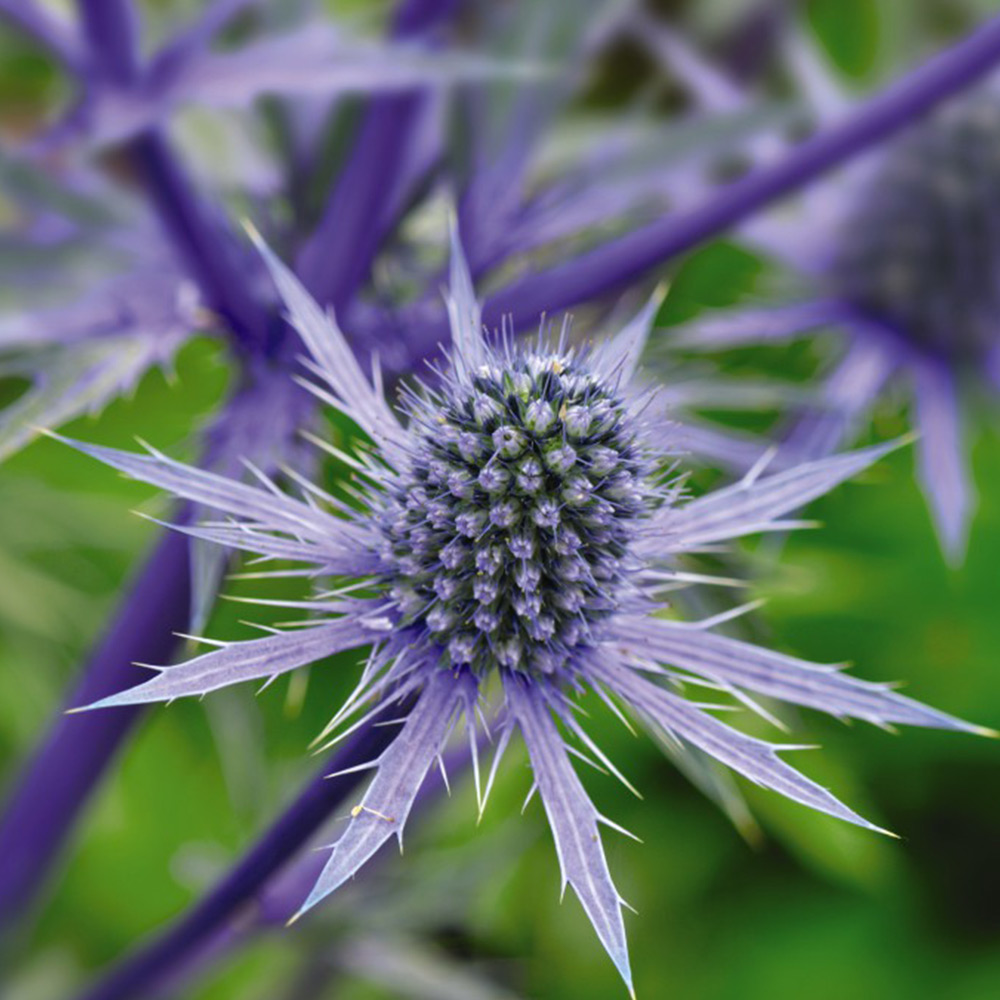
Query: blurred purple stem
x,y
111,28
55,785
621,261
212,254
202,239
366,196
280,899
138,974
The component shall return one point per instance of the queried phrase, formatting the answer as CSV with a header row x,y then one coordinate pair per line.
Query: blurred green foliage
x,y
817,909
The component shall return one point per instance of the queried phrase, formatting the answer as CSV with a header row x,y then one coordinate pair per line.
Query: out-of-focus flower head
x,y
900,256
514,535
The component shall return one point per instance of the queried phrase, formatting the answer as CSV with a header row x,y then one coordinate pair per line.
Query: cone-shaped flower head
x,y
902,251
508,540
920,248
520,526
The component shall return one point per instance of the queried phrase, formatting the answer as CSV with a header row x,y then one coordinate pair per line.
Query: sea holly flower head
x,y
513,527
900,255
520,525
918,248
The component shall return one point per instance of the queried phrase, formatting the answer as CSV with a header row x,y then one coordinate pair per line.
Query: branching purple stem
x,y
140,972
204,242
622,261
337,257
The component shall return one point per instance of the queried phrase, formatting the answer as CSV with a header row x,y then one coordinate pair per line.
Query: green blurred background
x,y
813,909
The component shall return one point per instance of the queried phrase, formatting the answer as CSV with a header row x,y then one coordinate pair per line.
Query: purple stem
x,y
337,257
139,973
279,900
110,28
621,261
201,238
211,253
55,785
624,260
45,29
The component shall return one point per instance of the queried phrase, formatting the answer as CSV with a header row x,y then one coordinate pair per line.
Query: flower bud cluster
x,y
510,539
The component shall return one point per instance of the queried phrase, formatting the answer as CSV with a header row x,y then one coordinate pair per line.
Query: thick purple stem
x,y
621,261
138,974
45,29
281,897
209,249
338,256
205,243
44,804
111,29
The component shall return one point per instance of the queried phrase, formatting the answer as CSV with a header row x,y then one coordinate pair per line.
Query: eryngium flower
x,y
519,526
902,255
918,248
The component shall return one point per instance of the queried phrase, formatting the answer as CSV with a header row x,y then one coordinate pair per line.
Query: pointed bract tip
x,y
954,555
252,231
884,832
294,918
883,448
990,734
751,833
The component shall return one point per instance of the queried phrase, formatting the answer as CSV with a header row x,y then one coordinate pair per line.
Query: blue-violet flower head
x,y
902,254
520,525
